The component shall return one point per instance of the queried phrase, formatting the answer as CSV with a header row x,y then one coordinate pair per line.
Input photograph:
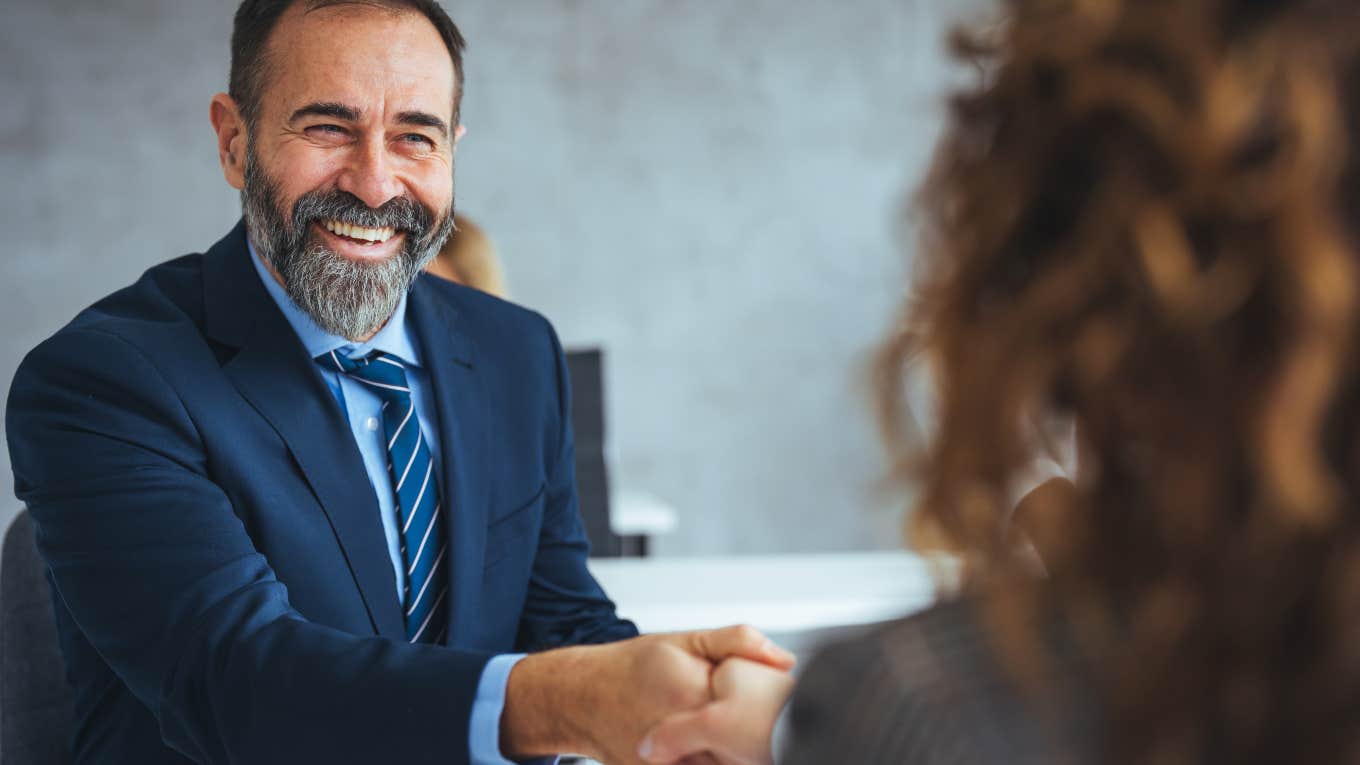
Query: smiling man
x,y
300,503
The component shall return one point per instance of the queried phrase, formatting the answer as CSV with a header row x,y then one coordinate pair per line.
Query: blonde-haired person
x,y
1143,219
469,257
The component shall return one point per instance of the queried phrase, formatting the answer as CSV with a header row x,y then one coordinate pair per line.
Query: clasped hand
x,y
689,697
733,728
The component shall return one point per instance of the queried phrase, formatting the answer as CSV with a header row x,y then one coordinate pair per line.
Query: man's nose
x,y
369,175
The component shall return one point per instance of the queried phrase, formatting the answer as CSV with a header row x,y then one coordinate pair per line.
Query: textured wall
x,y
710,191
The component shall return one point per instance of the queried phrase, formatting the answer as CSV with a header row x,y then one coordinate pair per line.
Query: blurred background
x,y
711,193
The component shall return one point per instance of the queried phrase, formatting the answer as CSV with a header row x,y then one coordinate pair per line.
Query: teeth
x,y
359,232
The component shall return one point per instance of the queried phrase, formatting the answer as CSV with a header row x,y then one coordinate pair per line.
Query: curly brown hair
x,y
1141,218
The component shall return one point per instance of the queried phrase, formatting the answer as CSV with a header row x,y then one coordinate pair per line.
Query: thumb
x,y
678,736
741,641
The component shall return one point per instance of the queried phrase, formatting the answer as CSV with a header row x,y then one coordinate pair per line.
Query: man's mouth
x,y
359,234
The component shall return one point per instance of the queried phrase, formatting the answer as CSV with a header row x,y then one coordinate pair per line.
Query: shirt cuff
x,y
484,729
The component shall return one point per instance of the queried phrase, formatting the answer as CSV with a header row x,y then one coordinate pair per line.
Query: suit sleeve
x,y
564,604
149,557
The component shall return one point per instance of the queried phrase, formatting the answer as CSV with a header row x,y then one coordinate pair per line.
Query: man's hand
x,y
601,700
734,729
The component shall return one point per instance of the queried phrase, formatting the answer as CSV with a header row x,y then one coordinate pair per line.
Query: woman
x,y
469,258
1143,219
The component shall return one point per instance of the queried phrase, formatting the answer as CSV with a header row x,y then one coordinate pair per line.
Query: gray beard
x,y
344,297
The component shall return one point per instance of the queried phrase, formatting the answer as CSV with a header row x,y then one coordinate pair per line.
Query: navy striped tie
x,y
424,544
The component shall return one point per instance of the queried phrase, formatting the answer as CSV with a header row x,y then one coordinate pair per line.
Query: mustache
x,y
401,213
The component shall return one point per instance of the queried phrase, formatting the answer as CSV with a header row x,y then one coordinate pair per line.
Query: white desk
x,y
640,514
780,594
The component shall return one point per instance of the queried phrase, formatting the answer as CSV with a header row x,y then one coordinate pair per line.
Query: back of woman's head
x,y
1140,219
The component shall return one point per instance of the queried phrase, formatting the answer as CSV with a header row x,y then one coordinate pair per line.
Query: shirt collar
x,y
393,339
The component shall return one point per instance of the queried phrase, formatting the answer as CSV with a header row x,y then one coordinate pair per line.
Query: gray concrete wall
x,y
709,190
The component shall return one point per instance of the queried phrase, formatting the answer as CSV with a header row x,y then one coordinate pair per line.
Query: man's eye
x,y
418,139
326,129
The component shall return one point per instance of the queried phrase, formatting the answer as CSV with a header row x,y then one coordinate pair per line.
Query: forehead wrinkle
x,y
353,7
390,83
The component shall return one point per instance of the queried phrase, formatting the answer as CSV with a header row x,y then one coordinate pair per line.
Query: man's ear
x,y
458,134
231,138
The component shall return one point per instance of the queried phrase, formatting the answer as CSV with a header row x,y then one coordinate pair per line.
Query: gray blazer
x,y
929,689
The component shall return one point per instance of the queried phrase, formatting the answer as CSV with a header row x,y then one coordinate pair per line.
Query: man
x,y
294,512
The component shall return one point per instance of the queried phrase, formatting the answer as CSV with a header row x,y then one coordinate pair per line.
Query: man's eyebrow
x,y
327,109
424,119
350,114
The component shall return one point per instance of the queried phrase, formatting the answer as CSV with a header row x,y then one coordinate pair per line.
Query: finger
x,y
678,736
707,758
740,640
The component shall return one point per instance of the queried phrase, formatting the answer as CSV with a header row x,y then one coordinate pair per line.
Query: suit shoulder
x,y
931,688
168,295
849,706
160,312
906,655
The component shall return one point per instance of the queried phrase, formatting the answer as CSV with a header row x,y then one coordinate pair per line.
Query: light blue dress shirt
x,y
364,410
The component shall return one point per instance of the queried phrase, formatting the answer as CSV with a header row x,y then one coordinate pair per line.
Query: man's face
x,y
348,188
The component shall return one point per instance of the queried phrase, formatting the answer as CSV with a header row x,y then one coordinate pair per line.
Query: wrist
x,y
545,701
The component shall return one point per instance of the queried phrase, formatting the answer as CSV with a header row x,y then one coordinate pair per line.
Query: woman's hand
x,y
734,729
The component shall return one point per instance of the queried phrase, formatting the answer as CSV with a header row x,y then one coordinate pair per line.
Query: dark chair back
x,y
35,699
586,369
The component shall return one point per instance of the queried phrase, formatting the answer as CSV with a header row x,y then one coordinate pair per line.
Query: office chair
x,y
585,368
35,699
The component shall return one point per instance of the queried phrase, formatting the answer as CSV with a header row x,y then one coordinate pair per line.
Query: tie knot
x,y
378,370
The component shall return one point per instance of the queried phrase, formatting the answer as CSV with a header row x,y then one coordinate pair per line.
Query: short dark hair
x,y
256,19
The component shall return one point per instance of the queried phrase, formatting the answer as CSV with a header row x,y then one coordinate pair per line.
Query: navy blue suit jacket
x,y
223,587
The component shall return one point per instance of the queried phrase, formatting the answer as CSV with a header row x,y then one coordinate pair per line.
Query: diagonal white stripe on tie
x,y
429,470
415,559
402,481
402,426
429,616
438,561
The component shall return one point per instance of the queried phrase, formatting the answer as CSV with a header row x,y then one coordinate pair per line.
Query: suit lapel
x,y
272,372
446,352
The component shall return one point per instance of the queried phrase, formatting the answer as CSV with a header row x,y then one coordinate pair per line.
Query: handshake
x,y
689,698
